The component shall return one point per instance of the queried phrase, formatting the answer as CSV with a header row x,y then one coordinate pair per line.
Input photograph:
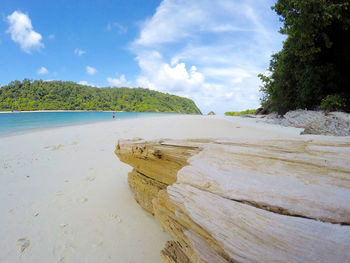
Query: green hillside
x,y
67,95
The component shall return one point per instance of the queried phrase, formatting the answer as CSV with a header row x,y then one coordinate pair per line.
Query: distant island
x,y
35,95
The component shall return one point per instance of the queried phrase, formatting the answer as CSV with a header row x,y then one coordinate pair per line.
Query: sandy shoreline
x,y
24,111
64,195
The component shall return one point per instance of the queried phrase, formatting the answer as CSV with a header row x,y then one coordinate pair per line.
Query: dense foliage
x,y
333,103
65,95
315,59
238,113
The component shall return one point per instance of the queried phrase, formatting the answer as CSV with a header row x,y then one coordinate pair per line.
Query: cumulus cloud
x,y
210,51
22,32
79,52
90,70
118,82
42,71
169,78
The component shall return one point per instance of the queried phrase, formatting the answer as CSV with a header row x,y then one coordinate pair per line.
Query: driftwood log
x,y
246,201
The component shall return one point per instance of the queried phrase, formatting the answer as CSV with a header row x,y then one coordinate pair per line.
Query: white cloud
x,y
51,36
22,32
85,83
210,51
226,28
235,75
90,70
118,82
119,27
79,52
174,79
42,71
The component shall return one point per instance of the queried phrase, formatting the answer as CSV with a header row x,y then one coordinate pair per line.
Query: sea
x,y
20,122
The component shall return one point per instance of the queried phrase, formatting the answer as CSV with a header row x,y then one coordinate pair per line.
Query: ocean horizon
x,y
12,123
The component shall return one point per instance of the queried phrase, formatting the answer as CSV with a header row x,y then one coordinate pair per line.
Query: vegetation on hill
x,y
238,113
313,68
66,95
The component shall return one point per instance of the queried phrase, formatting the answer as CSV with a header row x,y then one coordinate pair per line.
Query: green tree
x,y
315,59
60,95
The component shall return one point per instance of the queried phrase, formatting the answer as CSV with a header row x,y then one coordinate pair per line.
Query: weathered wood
x,y
156,160
246,201
192,237
249,234
144,189
307,179
172,253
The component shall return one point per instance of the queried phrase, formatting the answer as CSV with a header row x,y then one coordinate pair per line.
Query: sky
x,y
205,50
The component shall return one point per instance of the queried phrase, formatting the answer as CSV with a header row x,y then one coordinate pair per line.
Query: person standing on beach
x,y
113,115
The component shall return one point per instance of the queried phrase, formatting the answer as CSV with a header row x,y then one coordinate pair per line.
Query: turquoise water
x,y
12,123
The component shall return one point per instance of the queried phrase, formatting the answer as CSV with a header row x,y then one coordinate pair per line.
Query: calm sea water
x,y
11,123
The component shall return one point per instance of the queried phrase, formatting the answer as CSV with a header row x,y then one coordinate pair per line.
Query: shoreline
x,y
96,111
34,130
30,130
56,111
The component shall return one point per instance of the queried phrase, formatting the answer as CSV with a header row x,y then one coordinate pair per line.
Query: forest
x,y
66,95
312,71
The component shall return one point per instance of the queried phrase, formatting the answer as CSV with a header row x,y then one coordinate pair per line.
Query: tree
x,y
315,59
60,95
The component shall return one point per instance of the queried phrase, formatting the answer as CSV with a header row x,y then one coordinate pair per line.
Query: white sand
x,y
64,195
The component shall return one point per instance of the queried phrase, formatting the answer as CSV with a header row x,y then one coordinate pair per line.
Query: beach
x,y
64,195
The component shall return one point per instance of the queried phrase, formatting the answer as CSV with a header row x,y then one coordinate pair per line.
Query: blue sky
x,y
209,51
